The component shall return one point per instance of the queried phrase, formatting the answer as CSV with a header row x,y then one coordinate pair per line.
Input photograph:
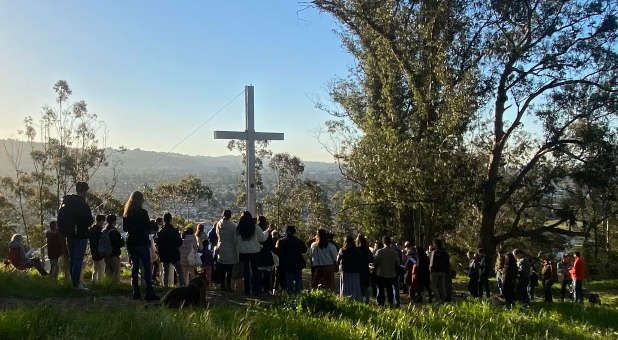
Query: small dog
x,y
594,299
193,294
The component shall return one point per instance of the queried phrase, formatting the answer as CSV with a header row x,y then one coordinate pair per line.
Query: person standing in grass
x,y
250,237
168,243
265,260
226,250
578,273
55,248
440,268
290,250
188,255
564,277
523,276
278,278
323,261
547,277
484,271
386,263
366,257
207,261
200,236
74,219
499,269
350,262
94,235
112,261
473,274
137,225
421,278
509,278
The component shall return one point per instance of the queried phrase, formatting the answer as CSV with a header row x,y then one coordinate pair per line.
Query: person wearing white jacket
x,y
250,237
188,255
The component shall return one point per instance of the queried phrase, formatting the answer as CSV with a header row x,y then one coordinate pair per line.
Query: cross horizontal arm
x,y
231,135
268,136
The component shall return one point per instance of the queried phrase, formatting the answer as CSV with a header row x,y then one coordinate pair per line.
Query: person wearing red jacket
x,y
578,273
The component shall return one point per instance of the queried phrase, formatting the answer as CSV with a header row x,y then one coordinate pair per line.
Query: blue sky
x,y
154,70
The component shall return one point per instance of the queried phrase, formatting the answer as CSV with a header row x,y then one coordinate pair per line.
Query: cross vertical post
x,y
250,129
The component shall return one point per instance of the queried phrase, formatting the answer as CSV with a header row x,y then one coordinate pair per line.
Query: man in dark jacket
x,y
168,243
484,271
509,277
112,261
74,219
440,268
290,251
94,235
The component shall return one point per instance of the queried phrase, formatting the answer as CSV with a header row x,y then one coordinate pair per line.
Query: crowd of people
x,y
254,255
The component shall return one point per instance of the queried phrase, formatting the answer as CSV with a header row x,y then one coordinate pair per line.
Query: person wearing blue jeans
x,y
140,258
77,251
294,282
74,219
137,225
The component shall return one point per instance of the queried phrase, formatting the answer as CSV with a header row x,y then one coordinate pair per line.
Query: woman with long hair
x,y
188,255
200,236
323,261
366,257
250,237
137,225
349,261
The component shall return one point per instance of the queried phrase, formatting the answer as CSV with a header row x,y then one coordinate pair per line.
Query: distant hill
x,y
136,167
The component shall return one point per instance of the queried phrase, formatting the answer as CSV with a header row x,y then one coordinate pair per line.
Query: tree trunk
x,y
487,238
406,224
607,238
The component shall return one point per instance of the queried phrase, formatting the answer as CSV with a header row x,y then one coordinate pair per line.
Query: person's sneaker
x,y
137,296
82,287
151,297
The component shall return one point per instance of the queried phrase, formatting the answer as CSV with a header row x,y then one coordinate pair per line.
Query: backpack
x,y
66,223
105,244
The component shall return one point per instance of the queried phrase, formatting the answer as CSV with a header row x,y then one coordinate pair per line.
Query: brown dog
x,y
193,294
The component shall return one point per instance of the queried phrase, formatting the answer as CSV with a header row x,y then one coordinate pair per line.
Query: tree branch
x,y
541,230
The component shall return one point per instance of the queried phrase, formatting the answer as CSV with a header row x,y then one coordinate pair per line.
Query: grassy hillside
x,y
35,308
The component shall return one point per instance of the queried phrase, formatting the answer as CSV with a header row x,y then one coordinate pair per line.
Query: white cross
x,y
250,136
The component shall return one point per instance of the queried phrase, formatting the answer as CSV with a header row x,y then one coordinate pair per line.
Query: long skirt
x,y
350,286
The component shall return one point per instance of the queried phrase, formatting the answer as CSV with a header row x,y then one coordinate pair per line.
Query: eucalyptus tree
x,y
427,69
409,99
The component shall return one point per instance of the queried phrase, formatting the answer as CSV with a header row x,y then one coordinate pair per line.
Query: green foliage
x,y
177,197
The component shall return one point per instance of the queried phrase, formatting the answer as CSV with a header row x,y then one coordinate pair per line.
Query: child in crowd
x,y
112,260
208,261
55,248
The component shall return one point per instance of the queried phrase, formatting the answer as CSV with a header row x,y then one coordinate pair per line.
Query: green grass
x,y
312,315
30,284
